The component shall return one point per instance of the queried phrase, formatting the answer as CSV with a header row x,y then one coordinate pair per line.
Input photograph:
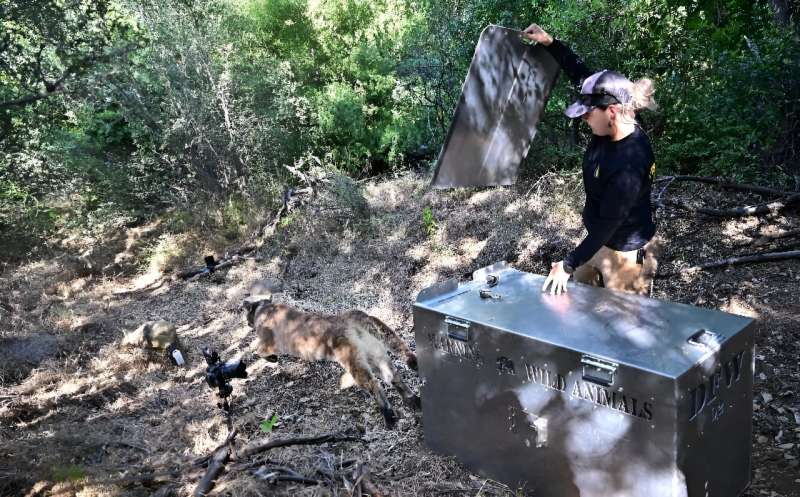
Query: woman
x,y
618,169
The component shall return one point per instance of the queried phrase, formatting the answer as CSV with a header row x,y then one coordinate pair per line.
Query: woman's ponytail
x,y
642,95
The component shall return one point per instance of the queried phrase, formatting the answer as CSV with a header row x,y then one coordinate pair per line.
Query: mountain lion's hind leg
x,y
389,375
363,377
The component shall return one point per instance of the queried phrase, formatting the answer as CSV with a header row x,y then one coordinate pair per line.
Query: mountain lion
x,y
354,339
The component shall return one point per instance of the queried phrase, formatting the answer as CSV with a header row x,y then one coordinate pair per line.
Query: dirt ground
x,y
80,415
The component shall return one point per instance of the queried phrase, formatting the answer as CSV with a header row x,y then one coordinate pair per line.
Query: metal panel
x,y
648,334
495,120
512,389
716,417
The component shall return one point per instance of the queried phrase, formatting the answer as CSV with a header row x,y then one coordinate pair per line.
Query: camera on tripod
x,y
219,374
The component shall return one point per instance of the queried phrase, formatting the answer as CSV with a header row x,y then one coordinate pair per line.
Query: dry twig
x,y
768,257
763,190
264,445
775,236
289,195
364,482
756,210
215,468
275,474
155,285
216,465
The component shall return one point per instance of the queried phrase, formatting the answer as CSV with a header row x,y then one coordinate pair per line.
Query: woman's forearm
x,y
570,62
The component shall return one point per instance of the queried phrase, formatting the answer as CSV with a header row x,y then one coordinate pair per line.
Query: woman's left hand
x,y
557,278
536,33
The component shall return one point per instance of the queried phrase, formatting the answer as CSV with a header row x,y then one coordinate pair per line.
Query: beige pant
x,y
620,271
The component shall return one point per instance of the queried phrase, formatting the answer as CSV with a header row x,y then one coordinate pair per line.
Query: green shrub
x,y
429,222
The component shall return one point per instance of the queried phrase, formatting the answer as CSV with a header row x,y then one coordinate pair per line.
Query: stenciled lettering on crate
x,y
456,348
700,397
590,392
709,388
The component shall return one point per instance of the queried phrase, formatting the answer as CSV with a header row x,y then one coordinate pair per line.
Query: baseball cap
x,y
601,88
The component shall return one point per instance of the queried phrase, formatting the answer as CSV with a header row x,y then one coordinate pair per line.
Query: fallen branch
x,y
264,445
775,236
155,285
215,466
727,184
241,251
202,461
289,194
769,257
756,210
296,479
210,267
365,483
225,453
275,474
759,238
220,265
145,479
329,473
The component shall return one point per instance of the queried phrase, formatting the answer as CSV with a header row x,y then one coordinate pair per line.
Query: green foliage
x,y
725,114
340,115
267,425
135,106
725,75
282,29
286,221
49,51
720,94
429,222
234,214
47,43
24,219
73,472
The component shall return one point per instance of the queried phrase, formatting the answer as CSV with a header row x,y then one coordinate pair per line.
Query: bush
x,y
209,100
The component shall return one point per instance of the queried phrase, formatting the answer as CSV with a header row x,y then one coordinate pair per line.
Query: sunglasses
x,y
601,100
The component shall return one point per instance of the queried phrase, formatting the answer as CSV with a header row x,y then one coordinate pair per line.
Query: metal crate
x,y
592,393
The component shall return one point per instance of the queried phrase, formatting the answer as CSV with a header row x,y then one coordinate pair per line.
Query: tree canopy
x,y
139,105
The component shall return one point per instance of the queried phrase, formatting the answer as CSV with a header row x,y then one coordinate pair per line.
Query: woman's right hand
x,y
536,33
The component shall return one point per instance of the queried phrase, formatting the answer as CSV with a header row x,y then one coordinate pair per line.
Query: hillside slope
x,y
82,416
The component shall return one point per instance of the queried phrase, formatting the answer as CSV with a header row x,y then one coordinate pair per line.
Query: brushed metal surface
x,y
494,122
592,393
645,333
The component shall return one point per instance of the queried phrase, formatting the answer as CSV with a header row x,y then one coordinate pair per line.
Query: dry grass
x,y
112,412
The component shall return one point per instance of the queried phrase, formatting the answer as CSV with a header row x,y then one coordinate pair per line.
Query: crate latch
x,y
458,329
706,339
598,370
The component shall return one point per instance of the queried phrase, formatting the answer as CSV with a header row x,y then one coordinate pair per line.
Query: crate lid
x,y
494,123
641,332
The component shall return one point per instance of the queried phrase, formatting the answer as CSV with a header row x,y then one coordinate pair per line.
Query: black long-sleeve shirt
x,y
617,177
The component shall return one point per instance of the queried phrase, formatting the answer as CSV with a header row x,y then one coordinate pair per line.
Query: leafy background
x,y
117,107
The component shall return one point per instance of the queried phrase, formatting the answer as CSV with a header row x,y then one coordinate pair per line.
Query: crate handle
x,y
458,329
598,370
706,339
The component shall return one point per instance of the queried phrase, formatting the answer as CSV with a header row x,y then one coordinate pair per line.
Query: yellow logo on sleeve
x,y
653,171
